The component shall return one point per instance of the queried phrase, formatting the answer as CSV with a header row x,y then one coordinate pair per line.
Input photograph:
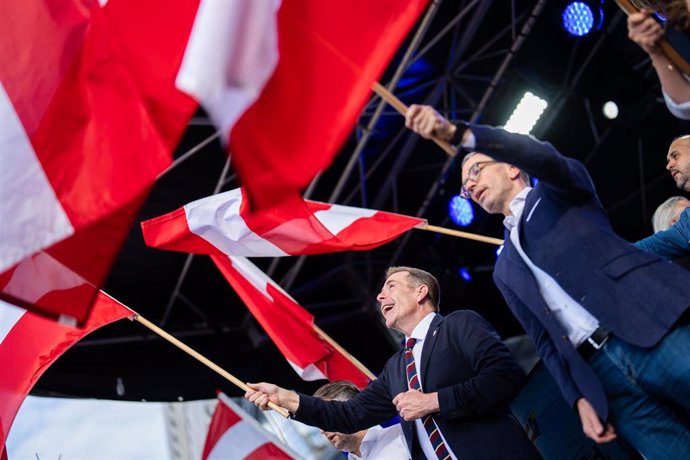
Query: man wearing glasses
x,y
608,320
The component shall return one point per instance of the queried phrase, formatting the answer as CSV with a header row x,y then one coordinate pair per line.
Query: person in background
x,y
644,30
375,443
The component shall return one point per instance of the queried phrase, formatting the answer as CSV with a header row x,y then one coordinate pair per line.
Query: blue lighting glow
x,y
460,211
578,19
465,273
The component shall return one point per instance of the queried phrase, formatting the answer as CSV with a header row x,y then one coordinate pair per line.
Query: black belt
x,y
594,342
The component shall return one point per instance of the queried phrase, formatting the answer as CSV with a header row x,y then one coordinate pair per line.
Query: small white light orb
x,y
610,110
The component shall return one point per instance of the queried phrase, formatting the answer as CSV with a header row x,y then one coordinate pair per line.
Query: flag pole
x,y
347,355
674,56
140,319
400,106
469,236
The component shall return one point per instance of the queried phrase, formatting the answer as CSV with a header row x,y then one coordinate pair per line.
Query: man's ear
x,y
513,172
422,292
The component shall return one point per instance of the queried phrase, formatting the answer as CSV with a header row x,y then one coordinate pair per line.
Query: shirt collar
x,y
420,330
516,206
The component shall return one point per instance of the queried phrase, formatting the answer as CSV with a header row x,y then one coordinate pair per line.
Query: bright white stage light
x,y
610,110
526,114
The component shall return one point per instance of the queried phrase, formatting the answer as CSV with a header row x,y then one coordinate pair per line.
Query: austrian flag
x,y
222,225
290,326
235,434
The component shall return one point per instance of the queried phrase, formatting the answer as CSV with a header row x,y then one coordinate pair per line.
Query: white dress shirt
x,y
578,322
419,333
383,444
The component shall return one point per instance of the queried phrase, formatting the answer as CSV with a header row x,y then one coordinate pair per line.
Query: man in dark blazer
x,y
607,318
455,377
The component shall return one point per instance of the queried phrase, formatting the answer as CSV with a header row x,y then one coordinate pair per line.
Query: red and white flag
x,y
79,150
313,64
235,434
223,224
93,100
30,343
289,325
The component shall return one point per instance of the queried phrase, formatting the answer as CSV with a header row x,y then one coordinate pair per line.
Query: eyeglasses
x,y
473,175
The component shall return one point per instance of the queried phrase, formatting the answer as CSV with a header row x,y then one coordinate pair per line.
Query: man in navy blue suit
x,y
451,385
608,319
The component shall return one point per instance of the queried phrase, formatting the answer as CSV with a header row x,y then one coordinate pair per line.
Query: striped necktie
x,y
428,422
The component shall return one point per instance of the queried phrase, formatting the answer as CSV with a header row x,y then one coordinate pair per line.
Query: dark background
x,y
394,170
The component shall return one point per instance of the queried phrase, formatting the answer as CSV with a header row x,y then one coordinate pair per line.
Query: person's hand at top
x,y
644,30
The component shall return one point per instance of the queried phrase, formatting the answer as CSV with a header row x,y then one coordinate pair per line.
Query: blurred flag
x,y
308,94
235,434
30,343
289,325
222,224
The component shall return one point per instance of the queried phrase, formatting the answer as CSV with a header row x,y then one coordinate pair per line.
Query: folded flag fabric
x,y
235,434
290,326
308,68
79,149
30,343
223,224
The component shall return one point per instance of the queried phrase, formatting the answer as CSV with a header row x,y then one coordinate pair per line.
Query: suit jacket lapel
x,y
428,347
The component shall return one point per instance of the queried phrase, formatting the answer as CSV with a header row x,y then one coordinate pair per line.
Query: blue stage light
x,y
464,273
460,211
579,18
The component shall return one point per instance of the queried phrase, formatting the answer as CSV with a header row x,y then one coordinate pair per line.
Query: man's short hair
x,y
339,390
664,214
523,175
418,277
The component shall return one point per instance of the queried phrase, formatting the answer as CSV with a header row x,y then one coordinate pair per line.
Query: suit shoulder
x,y
464,316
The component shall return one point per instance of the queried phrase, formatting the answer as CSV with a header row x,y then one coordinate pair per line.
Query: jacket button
x,y
582,299
565,338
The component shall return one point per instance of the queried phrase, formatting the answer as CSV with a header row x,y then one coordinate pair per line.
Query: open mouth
x,y
386,308
479,195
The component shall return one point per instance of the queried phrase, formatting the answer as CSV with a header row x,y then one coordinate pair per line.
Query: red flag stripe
x,y
32,343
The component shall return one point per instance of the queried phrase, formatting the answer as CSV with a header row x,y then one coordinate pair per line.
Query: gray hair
x,y
665,213
523,175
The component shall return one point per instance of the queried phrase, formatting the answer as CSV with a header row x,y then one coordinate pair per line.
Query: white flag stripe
x,y
231,53
46,275
247,431
31,216
217,219
241,439
337,217
258,278
9,316
309,373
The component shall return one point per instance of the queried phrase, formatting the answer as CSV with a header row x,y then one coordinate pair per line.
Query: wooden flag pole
x,y
398,105
351,358
282,411
469,236
664,44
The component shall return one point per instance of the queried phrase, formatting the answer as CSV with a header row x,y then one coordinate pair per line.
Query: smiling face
x,y
678,162
494,186
402,304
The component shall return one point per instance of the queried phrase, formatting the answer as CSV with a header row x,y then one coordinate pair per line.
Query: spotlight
x,y
460,211
465,273
526,114
610,110
580,18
